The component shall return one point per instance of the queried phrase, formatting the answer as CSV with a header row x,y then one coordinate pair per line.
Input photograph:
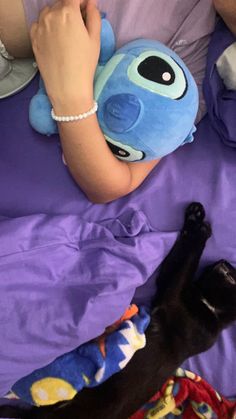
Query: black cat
x,y
186,319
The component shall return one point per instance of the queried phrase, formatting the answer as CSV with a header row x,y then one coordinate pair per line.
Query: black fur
x,y
186,318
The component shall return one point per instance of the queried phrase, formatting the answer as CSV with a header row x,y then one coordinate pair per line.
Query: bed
x,y
69,268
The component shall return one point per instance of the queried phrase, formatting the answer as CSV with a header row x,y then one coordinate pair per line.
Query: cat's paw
x,y
194,223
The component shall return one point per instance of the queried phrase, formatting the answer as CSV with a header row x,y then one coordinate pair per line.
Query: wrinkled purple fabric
x,y
57,272
69,268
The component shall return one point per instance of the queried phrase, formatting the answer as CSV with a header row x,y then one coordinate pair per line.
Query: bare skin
x,y
227,10
88,157
17,40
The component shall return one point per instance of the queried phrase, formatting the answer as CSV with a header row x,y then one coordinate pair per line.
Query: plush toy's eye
x,y
158,70
124,151
159,73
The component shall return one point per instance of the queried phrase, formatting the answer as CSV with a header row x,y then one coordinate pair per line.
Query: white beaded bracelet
x,y
75,117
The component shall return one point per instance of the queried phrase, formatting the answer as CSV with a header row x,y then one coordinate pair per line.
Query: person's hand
x,y
66,49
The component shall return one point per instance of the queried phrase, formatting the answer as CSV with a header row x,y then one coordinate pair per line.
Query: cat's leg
x,y
181,263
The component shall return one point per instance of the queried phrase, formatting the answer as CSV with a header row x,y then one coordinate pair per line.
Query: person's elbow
x,y
116,187
109,195
111,190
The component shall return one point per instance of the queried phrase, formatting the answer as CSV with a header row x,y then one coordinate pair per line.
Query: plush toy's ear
x,y
189,138
107,41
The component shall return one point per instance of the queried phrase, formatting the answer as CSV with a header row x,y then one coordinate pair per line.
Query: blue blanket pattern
x,y
87,366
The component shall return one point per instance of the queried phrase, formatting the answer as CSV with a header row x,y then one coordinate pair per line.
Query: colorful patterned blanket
x,y
87,366
185,395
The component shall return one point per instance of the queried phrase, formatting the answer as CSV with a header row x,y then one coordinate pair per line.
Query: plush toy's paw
x,y
40,115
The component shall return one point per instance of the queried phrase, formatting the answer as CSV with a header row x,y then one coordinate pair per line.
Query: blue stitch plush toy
x,y
147,99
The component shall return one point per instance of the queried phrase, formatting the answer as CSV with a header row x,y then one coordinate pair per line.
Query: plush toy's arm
x,y
40,112
190,137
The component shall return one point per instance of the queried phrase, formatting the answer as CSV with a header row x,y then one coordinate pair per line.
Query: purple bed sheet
x,y
69,268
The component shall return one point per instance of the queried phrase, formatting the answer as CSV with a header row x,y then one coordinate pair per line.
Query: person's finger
x,y
83,4
33,30
76,3
93,20
43,13
56,5
34,36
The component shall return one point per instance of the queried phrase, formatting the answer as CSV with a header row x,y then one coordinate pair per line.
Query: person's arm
x,y
13,29
67,51
227,10
99,173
